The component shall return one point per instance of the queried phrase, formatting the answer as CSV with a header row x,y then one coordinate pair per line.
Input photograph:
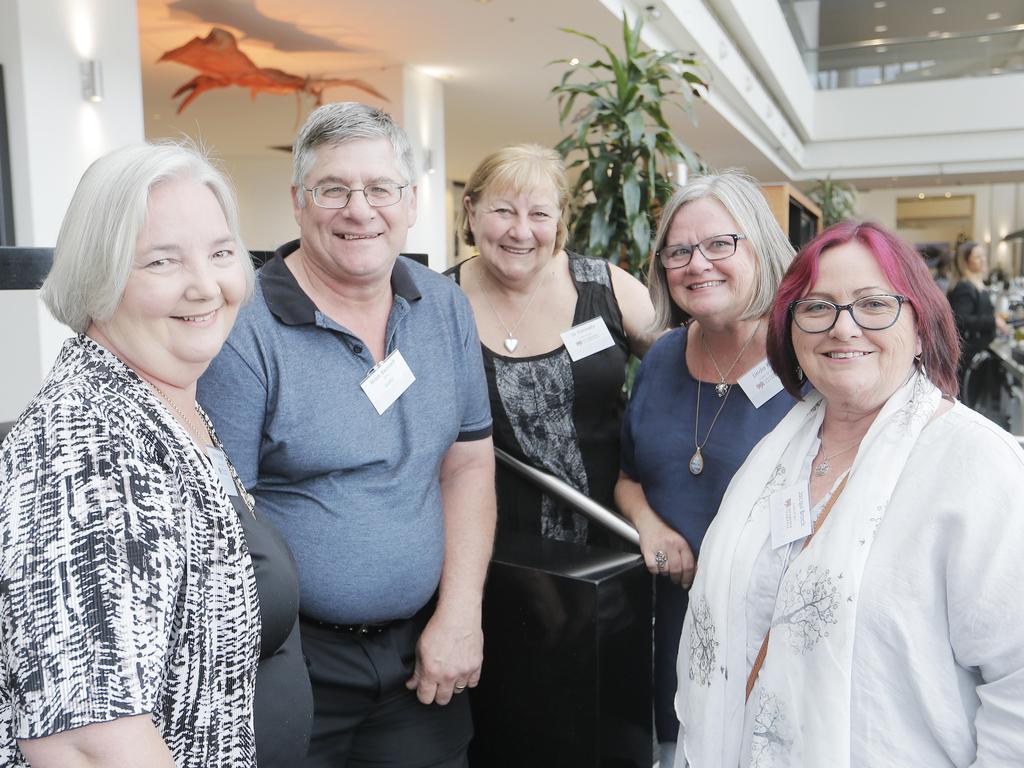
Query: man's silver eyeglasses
x,y
872,313
379,195
714,248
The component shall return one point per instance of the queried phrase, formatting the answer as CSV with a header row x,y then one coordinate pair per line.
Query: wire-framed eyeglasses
x,y
872,313
714,248
379,195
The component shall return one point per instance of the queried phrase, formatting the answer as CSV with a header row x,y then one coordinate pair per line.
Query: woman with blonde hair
x,y
556,330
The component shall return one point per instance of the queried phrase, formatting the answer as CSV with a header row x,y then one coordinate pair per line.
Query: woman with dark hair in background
x,y
975,317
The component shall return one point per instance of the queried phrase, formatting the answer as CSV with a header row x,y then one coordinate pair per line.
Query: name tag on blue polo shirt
x,y
387,380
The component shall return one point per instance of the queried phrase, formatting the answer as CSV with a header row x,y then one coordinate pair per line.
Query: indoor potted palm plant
x,y
620,142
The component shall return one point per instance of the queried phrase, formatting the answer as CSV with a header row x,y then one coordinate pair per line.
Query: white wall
x,y
263,185
423,120
54,136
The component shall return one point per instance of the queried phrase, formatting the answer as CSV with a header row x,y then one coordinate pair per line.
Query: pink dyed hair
x,y
903,268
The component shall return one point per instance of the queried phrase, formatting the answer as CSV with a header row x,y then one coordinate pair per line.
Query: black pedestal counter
x,y
567,658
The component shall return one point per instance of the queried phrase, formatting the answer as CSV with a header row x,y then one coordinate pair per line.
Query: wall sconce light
x,y
92,80
682,174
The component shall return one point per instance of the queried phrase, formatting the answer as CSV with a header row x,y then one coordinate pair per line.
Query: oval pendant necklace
x,y
697,460
723,390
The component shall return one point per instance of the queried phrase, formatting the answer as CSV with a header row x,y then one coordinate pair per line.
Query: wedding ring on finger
x,y
460,687
661,559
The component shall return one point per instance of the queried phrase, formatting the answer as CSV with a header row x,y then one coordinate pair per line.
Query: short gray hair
x,y
340,123
98,238
742,198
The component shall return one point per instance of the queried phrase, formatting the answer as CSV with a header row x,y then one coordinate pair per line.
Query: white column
x,y
423,119
54,135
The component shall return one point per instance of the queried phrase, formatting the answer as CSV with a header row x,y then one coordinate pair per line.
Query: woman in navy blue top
x,y
704,395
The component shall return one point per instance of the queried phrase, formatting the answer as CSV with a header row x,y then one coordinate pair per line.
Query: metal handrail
x,y
564,492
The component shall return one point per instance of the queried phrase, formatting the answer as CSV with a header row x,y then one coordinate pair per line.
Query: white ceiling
x,y
491,56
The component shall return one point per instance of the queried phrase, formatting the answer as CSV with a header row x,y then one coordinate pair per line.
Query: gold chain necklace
x,y
189,424
247,499
721,388
511,342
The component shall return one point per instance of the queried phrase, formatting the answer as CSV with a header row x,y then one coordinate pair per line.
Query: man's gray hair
x,y
340,123
742,198
97,243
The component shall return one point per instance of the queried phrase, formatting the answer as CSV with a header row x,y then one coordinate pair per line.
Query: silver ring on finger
x,y
661,559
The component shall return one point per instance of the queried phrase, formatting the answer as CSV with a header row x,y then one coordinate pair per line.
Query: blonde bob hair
x,y
740,195
97,241
516,169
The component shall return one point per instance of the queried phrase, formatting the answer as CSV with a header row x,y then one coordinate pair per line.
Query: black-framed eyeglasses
x,y
714,248
872,313
379,195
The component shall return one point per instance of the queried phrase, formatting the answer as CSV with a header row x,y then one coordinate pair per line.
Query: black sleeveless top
x,y
283,707
561,416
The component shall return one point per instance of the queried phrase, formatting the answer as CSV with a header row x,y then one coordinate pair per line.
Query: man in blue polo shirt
x,y
351,398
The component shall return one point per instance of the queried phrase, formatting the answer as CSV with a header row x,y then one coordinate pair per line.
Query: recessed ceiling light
x,y
881,28
948,195
880,4
946,34
934,33
920,195
938,10
994,16
984,39
573,61
881,49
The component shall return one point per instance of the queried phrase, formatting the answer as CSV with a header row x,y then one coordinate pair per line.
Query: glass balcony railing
x,y
907,60
945,55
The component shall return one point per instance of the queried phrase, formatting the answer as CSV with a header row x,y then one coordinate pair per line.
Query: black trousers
x,y
363,713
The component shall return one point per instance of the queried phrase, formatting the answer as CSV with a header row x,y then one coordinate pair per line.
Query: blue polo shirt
x,y
356,494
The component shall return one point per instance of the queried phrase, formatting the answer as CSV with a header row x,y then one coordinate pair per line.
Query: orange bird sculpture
x,y
221,64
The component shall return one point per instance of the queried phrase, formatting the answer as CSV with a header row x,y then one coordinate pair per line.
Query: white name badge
x,y
791,515
760,383
387,380
587,338
220,466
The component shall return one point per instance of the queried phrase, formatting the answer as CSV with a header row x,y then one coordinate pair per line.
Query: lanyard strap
x,y
763,652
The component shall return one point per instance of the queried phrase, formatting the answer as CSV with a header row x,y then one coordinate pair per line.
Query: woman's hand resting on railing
x,y
665,552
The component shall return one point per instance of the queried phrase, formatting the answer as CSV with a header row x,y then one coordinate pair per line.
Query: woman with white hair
x,y
133,566
704,395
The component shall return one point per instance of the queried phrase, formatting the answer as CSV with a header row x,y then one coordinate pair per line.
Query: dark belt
x,y
351,629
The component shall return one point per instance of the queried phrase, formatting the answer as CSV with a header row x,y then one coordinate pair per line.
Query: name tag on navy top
x,y
220,467
760,383
791,515
587,339
386,382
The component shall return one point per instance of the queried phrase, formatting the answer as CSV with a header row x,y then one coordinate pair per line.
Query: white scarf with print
x,y
802,695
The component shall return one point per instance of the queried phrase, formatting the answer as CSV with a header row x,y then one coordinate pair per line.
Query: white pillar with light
x,y
74,92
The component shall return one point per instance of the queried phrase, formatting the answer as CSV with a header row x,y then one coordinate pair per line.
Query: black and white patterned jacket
x,y
125,584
